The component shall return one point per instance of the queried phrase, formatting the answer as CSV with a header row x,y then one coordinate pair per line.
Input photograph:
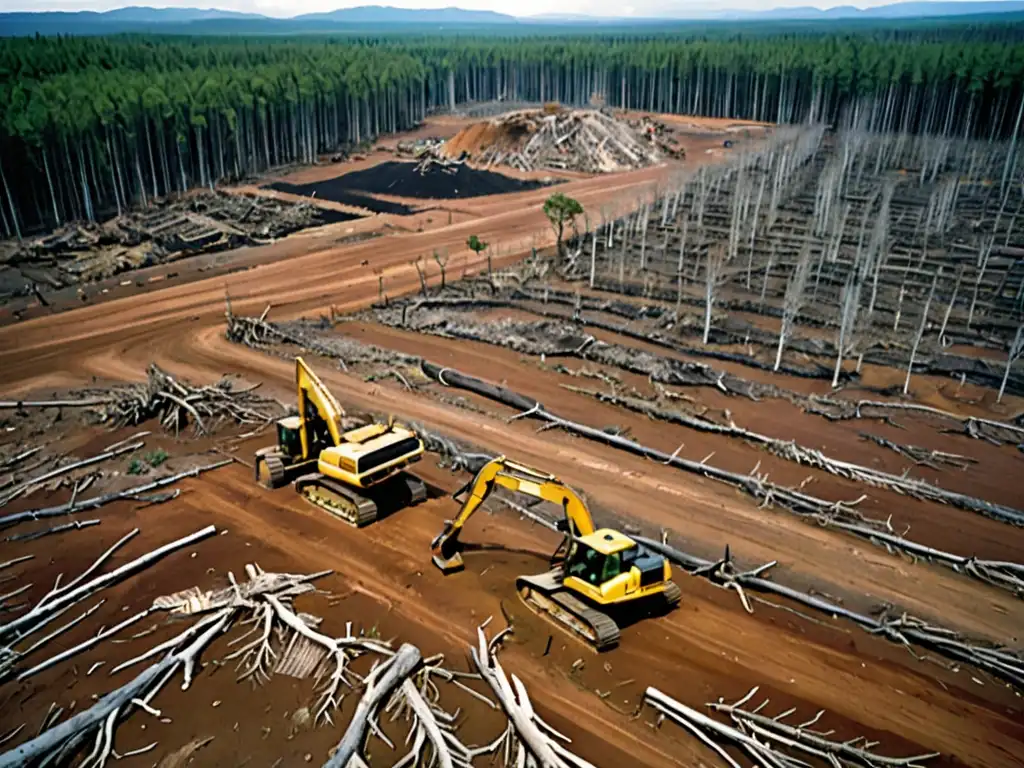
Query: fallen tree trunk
x,y
381,683
822,511
106,498
34,481
770,742
792,451
67,736
58,599
903,629
82,403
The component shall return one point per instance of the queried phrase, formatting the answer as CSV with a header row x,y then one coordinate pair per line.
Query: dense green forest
x,y
91,125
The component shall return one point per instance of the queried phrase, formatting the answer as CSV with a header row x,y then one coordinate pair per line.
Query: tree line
x,y
89,126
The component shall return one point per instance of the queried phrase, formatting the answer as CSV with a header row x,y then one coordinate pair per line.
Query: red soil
x,y
708,648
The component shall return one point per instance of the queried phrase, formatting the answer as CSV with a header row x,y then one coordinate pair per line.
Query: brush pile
x,y
177,404
585,140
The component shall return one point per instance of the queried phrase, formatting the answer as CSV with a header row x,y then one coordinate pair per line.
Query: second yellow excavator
x,y
603,571
353,474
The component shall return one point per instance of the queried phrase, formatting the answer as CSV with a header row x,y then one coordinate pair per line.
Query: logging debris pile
x,y
168,230
585,140
175,402
417,148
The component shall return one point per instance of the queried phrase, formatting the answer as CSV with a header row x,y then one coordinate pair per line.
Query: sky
x,y
285,8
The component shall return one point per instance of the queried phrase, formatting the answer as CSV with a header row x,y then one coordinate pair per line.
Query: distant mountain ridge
x,y
904,10
907,10
200,20
381,14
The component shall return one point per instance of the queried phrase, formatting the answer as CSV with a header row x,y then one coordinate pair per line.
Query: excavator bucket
x,y
451,564
446,551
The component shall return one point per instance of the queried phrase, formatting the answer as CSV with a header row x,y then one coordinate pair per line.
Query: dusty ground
x,y
708,648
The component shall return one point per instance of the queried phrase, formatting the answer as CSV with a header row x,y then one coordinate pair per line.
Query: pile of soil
x,y
473,139
404,180
331,190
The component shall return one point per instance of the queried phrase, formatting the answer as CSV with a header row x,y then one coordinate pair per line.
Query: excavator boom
x,y
505,473
320,413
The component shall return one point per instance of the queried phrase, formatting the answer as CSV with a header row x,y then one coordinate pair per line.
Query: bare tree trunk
x,y
920,333
715,261
423,279
794,300
983,255
851,298
593,256
1016,350
952,301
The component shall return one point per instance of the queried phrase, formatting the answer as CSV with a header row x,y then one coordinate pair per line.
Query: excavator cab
x,y
596,567
288,438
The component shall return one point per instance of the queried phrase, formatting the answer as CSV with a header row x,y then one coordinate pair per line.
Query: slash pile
x,y
586,140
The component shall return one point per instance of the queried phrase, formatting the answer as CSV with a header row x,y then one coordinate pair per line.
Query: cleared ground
x,y
708,648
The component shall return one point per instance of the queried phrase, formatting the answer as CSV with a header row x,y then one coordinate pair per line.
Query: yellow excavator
x,y
599,572
354,474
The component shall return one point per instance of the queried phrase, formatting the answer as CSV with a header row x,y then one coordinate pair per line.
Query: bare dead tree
x,y
679,267
422,277
985,251
952,302
441,257
794,300
714,264
848,317
920,333
1015,352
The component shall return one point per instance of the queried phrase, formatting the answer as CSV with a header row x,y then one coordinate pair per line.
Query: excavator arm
x,y
320,414
504,473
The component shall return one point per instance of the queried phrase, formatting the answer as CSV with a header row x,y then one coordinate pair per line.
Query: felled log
x,y
80,505
769,741
381,683
822,511
1000,662
792,451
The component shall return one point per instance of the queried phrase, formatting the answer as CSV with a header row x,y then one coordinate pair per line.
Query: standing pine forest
x,y
89,126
